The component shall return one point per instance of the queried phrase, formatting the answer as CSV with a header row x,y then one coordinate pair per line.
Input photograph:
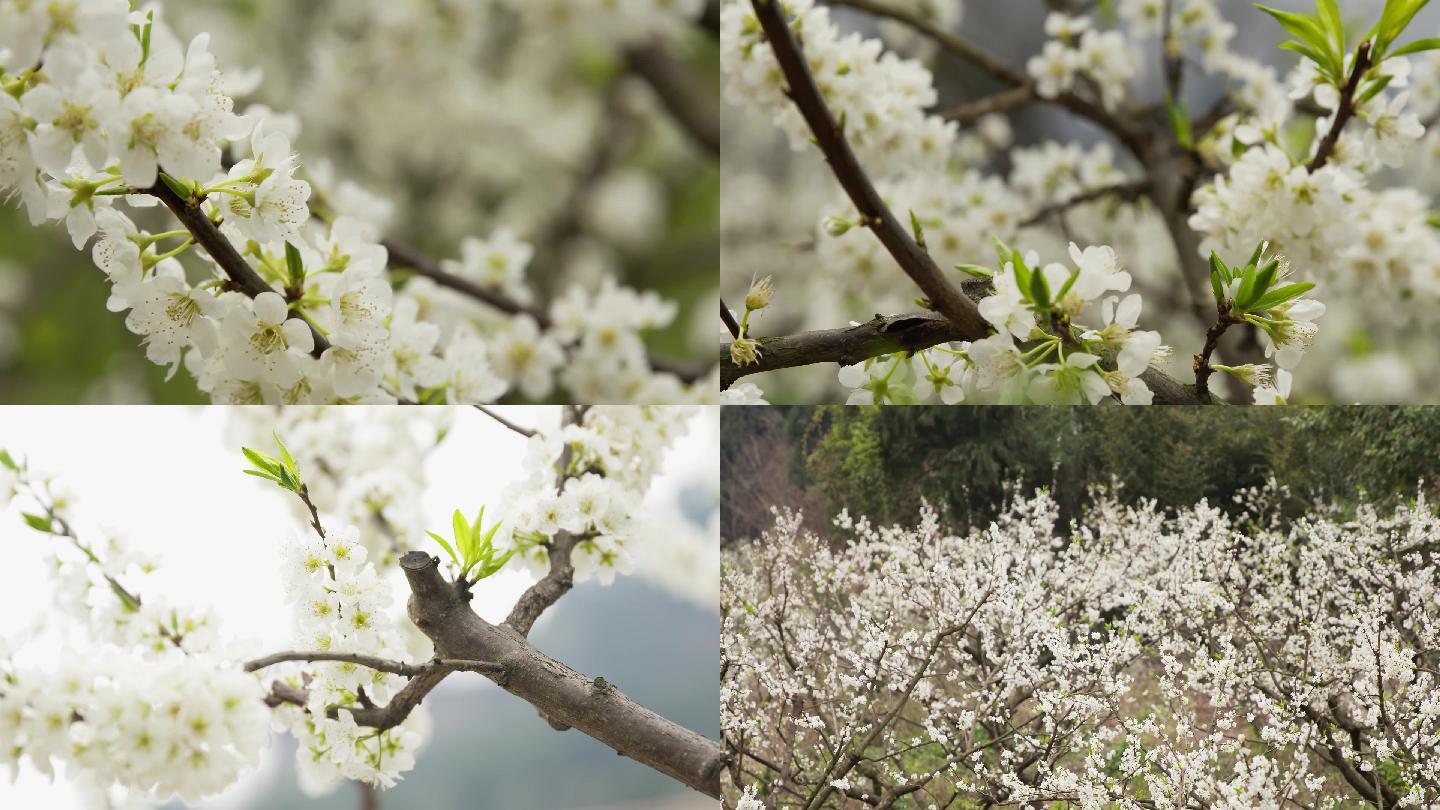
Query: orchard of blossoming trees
x,y
1133,658
551,154
152,699
1005,220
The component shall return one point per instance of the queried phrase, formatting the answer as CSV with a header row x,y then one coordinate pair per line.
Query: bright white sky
x,y
168,481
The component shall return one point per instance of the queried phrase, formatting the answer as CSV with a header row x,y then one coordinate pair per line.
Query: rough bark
x,y
563,696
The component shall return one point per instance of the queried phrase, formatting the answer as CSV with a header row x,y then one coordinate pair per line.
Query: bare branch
x,y
422,265
523,431
368,661
1003,101
1127,192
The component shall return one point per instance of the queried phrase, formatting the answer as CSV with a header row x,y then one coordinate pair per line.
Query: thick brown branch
x,y
887,335
562,695
943,296
692,104
1346,109
208,236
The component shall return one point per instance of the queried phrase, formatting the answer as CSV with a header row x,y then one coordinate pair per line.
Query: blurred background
x,y
169,481
465,117
882,462
1375,344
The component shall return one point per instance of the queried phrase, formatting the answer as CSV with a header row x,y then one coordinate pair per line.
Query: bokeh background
x,y
169,480
465,116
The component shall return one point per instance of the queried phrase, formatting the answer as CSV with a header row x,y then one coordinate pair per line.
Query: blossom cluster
x,y
342,604
175,726
881,98
588,479
1079,51
104,109
1133,656
1076,363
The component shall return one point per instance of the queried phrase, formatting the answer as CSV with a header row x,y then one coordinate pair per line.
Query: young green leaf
x,y
1259,251
1218,266
1329,13
1247,287
1426,44
1280,295
975,270
40,523
1217,286
294,264
1266,276
7,462
445,545
1180,122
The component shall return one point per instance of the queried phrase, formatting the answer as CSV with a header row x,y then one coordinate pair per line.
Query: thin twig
x,y
728,318
1127,192
1202,366
1003,101
367,661
523,431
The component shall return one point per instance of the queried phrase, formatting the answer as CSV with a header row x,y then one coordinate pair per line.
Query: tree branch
x,y
562,695
242,276
943,296
523,431
371,662
1127,192
1344,111
1129,134
692,105
1003,101
886,335
728,318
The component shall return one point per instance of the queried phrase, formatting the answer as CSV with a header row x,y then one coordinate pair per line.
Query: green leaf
x,y
1280,295
275,479
1039,290
1247,287
7,462
1327,65
295,265
1217,286
1259,251
975,270
1373,89
1218,266
1393,20
285,455
446,545
1427,44
494,565
40,523
1329,13
262,461
1180,122
1069,282
464,537
1002,251
1022,270
1300,26
181,190
915,226
1266,277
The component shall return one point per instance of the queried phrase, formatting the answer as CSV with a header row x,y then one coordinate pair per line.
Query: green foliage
x,y
476,550
282,471
882,462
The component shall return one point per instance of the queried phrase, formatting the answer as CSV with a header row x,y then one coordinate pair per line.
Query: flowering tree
x,y
1228,219
156,700
299,291
1133,658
